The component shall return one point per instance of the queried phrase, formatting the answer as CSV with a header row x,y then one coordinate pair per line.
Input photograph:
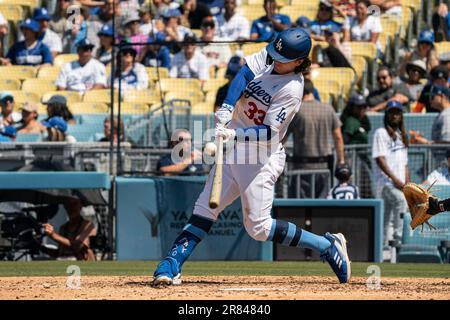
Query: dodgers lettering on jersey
x,y
346,191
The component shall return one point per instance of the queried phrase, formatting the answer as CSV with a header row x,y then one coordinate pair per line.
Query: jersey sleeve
x,y
61,80
379,147
257,61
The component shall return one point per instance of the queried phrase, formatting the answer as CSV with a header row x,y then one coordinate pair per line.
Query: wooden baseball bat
x,y
216,189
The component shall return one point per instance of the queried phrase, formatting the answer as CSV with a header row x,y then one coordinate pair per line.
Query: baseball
x,y
210,148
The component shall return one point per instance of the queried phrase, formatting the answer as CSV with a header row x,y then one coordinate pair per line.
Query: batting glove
x,y
224,114
225,133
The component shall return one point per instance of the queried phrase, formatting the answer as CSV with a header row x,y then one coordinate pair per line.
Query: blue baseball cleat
x,y
167,273
337,257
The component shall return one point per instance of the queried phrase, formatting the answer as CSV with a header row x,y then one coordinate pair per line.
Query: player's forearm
x,y
237,86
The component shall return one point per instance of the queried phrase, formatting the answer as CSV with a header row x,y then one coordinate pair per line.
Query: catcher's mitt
x,y
418,203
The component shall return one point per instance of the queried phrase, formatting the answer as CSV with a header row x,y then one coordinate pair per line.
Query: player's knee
x,y
258,230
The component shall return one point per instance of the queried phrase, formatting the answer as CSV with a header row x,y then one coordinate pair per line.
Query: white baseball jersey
x,y
236,28
52,41
75,77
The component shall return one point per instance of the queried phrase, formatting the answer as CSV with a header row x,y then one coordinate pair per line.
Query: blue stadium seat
x,y
27,137
85,133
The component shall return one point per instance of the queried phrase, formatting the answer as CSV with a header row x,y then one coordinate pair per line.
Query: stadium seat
x,y
100,96
359,63
88,107
213,84
142,96
11,12
157,73
414,4
185,84
210,96
131,108
392,27
193,96
442,47
306,9
251,12
345,76
27,137
203,108
17,72
38,86
71,96
217,73
62,59
366,49
325,97
333,87
21,97
48,73
9,84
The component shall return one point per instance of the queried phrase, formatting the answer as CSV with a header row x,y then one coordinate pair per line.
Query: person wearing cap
x,y
355,123
84,74
29,123
104,16
387,91
30,51
193,13
173,30
132,74
324,21
268,26
390,169
336,54
190,62
218,54
132,34
47,36
364,27
424,51
8,134
57,107
234,65
104,53
156,54
147,26
416,71
438,77
9,116
440,100
57,130
231,25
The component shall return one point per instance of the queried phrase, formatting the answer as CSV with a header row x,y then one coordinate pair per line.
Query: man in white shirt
x,y
189,62
230,25
391,173
47,36
84,74
218,54
440,176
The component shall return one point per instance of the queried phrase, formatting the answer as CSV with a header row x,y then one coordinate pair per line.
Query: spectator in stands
x,y
344,190
131,73
425,51
73,237
78,30
58,21
31,51
234,65
416,71
215,6
313,127
193,13
57,107
440,176
56,130
355,123
128,6
324,21
116,132
346,7
30,123
307,76
159,7
4,29
190,62
387,91
391,172
444,59
336,54
131,23
96,22
363,27
84,74
9,116
104,53
7,134
267,27
156,54
232,26
218,54
46,35
389,8
440,100
173,31
147,26
441,23
439,77
183,158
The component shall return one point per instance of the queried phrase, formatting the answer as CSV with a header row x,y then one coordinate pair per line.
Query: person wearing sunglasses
x,y
84,74
416,71
387,91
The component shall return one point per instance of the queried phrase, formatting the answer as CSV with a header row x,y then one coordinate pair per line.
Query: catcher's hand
x,y
421,203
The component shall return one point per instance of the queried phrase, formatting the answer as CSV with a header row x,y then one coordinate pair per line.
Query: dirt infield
x,y
223,287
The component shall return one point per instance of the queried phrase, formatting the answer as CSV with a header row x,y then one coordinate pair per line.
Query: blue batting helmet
x,y
289,45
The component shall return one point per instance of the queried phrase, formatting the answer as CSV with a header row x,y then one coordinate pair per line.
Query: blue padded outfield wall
x,y
151,212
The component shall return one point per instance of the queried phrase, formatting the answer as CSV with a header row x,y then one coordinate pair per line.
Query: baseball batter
x,y
262,101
